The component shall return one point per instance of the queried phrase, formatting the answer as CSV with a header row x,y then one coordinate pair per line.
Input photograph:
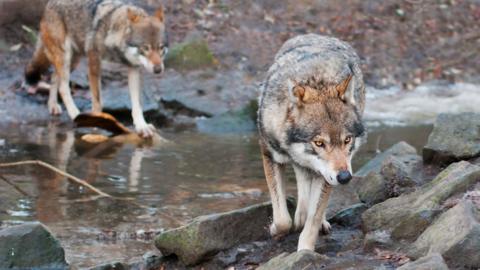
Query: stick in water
x,y
50,167
17,188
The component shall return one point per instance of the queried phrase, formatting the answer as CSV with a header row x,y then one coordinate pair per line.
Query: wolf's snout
x,y
343,177
158,69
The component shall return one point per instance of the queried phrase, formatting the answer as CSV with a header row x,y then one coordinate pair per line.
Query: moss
x,y
190,55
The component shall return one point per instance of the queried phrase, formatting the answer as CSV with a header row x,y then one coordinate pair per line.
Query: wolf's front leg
x,y
134,84
54,107
304,182
319,194
94,77
274,173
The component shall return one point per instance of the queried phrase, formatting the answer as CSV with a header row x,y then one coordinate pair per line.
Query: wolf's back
x,y
314,58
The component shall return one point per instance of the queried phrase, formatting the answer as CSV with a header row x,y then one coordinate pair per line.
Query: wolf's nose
x,y
344,177
158,69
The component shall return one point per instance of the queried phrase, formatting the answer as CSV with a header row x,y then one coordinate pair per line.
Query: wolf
x,y
310,116
97,30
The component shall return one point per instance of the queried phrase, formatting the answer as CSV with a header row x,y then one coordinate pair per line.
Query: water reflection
x,y
196,174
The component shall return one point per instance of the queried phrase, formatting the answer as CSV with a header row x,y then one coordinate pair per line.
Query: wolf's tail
x,y
38,65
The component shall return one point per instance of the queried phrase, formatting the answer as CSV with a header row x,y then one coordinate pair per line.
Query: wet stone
x,y
378,238
350,216
454,137
431,262
30,246
389,174
408,215
111,266
207,235
375,165
304,259
455,235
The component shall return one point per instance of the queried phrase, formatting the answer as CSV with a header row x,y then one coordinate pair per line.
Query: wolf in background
x,y
98,29
309,115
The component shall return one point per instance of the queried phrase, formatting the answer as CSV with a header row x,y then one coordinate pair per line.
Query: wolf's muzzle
x,y
158,69
343,177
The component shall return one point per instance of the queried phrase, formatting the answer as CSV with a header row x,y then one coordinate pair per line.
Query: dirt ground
x,y
401,42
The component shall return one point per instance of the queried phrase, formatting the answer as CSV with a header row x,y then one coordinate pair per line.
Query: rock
x,y
431,262
375,165
373,189
350,216
205,92
116,99
304,259
30,246
408,215
455,235
111,266
389,174
206,235
454,137
377,239
189,55
230,122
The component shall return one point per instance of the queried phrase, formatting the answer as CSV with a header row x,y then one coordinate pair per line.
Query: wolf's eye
x,y
319,143
348,139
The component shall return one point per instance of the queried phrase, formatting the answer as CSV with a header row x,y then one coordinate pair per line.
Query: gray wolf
x,y
310,115
98,29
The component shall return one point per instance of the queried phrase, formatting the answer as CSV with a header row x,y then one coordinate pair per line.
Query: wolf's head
x,y
146,41
325,129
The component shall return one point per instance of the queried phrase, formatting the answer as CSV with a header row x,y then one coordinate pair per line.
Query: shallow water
x,y
168,185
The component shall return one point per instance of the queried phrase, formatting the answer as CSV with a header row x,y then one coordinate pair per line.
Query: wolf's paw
x,y
326,227
279,230
54,109
145,130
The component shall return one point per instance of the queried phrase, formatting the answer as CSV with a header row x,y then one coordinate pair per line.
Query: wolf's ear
x,y
304,94
159,14
299,93
133,16
345,90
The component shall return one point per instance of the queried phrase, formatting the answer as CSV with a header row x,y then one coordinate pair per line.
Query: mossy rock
x,y
190,56
206,235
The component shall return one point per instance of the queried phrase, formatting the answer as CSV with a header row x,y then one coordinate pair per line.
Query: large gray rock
x,y
409,215
455,235
30,246
349,216
431,262
454,137
304,259
375,165
389,174
209,234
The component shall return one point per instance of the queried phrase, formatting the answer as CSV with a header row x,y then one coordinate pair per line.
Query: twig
x,y
50,167
82,183
17,188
